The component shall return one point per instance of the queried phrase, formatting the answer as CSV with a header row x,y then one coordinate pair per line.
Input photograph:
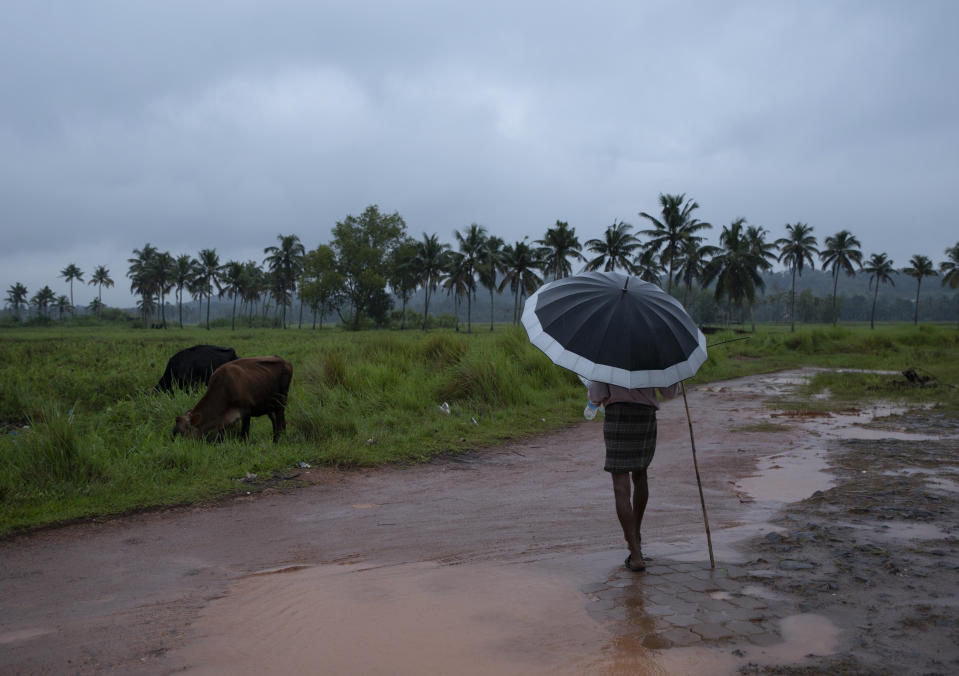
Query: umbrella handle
x,y
702,501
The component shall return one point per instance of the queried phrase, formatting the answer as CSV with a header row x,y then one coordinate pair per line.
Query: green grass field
x,y
83,434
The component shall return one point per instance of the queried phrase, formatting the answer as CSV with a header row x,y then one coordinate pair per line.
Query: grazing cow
x,y
240,389
193,366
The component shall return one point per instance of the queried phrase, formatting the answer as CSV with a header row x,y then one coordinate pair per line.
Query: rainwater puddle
x,y
405,619
931,476
806,634
760,592
943,484
768,385
696,549
900,531
852,425
788,477
798,473
23,635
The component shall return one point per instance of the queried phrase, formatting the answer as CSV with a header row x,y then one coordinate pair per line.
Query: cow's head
x,y
187,425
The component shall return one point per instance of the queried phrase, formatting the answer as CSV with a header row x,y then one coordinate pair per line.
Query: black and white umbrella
x,y
617,329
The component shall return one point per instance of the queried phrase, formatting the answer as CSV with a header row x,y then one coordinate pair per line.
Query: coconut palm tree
x,y
520,263
489,266
142,279
207,276
101,277
161,271
63,304
841,253
692,264
42,300
668,234
616,249
764,255
182,274
795,250
919,267
949,269
471,246
17,297
430,262
70,273
253,286
880,270
649,266
559,245
458,280
95,307
736,268
286,263
402,276
231,274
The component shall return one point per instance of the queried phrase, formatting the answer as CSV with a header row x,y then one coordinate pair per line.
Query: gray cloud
x,y
224,124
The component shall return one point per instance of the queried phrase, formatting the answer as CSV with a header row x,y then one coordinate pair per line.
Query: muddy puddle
x,y
405,619
567,615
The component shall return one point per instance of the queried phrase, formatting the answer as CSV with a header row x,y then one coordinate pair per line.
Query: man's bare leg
x,y
640,498
627,518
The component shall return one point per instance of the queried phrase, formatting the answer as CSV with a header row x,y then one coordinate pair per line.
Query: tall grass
x,y
82,433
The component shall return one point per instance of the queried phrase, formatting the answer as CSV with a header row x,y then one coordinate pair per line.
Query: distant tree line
x,y
371,265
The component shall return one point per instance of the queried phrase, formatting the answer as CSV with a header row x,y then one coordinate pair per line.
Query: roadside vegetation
x,y
84,435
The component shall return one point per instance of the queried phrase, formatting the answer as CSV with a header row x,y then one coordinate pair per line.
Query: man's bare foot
x,y
639,546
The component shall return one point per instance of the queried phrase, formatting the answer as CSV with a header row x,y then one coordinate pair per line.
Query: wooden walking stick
x,y
702,501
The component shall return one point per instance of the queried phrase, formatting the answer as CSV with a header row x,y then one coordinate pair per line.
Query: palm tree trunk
x,y
208,296
915,319
426,307
469,312
491,285
872,317
835,285
792,304
233,319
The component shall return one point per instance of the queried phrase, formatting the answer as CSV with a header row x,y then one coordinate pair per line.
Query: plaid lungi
x,y
630,434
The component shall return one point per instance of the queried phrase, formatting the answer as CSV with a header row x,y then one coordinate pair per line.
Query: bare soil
x,y
835,541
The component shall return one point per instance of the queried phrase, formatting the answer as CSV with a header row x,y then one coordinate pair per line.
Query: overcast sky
x,y
192,125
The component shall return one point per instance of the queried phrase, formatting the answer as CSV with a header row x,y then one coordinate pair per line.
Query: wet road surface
x,y
503,560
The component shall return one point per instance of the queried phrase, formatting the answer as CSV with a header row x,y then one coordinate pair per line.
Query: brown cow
x,y
243,388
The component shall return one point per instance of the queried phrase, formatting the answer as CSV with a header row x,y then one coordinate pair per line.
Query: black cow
x,y
193,366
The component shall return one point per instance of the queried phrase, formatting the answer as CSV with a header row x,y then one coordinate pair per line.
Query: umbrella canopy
x,y
615,329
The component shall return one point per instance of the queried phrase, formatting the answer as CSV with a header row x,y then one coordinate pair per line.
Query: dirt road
x,y
503,560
